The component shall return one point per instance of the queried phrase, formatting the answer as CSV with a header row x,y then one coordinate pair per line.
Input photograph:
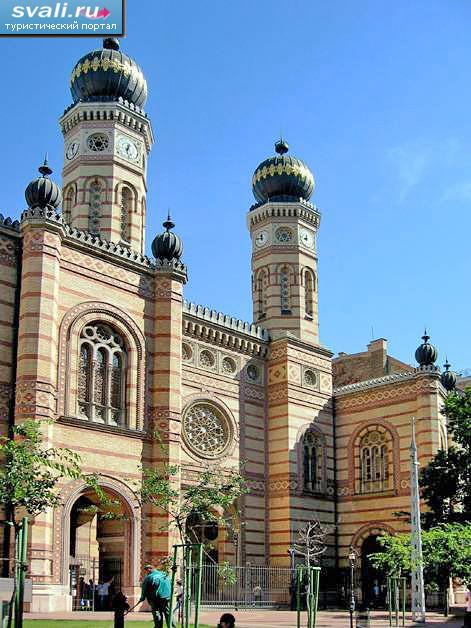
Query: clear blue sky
x,y
373,95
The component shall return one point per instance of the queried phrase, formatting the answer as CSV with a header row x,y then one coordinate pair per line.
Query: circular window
x,y
187,352
206,430
228,366
310,378
207,359
283,234
98,142
252,372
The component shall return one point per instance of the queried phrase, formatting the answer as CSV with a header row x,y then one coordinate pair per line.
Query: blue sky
x,y
373,95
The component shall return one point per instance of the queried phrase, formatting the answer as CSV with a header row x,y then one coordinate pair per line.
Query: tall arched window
x,y
262,296
373,462
96,194
285,290
309,293
69,202
312,462
126,205
101,375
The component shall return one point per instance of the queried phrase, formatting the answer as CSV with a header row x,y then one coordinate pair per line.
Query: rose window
x,y
252,372
207,359
98,142
206,430
228,365
310,378
284,235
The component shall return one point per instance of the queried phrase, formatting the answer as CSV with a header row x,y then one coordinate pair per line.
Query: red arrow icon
x,y
103,13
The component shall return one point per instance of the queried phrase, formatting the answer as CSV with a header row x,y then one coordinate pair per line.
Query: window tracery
x,y
373,462
308,293
101,375
262,289
126,204
312,462
206,430
96,192
285,291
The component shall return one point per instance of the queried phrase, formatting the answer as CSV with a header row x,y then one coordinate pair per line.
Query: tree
x,y
311,542
446,554
215,492
29,474
446,481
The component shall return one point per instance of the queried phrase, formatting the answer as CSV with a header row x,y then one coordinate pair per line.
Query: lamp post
x,y
351,559
235,540
291,552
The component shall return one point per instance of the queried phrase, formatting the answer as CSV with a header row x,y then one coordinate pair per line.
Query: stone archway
x,y
110,545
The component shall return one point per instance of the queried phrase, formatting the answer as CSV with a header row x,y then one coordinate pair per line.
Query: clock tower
x,y
283,225
107,140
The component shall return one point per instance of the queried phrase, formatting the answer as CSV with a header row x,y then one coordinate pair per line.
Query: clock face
x,y
306,238
127,148
72,149
261,238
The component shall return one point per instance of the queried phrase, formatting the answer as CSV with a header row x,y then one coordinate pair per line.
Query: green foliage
x,y
227,573
446,553
215,490
446,481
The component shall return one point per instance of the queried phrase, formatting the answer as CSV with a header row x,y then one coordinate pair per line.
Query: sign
x,y
72,17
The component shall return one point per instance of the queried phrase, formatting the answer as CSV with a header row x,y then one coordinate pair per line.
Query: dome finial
x,y
281,146
426,353
44,168
447,364
448,378
168,224
111,43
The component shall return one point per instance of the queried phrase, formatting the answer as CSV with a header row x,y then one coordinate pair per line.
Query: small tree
x,y
311,543
215,490
29,474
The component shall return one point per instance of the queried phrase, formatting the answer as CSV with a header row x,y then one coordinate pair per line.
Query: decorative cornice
x,y
374,383
299,209
221,329
10,225
173,267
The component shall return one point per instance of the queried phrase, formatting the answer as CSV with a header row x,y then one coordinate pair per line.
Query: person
x,y
467,615
156,589
179,598
120,606
103,590
227,621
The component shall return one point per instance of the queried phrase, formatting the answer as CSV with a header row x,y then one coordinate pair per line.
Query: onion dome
x,y
426,354
448,378
282,178
167,245
108,75
42,192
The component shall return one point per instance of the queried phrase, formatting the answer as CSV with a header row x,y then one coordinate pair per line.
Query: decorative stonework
x,y
71,325
187,352
207,360
228,366
8,251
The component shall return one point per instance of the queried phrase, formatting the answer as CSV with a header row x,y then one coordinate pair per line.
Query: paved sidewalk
x,y
262,619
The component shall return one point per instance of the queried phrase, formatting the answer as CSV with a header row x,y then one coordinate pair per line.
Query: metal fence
x,y
85,576
255,587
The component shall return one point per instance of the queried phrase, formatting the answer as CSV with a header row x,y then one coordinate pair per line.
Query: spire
x,y
44,168
281,147
168,224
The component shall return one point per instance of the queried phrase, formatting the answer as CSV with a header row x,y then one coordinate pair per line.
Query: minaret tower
x,y
107,140
283,227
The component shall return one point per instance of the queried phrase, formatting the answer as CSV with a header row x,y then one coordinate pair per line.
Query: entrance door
x,y
372,580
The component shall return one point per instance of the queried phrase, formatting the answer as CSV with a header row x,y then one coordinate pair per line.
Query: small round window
x,y
98,142
228,366
310,377
283,235
206,430
252,372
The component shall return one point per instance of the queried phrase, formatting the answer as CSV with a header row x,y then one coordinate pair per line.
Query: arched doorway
x,y
372,579
205,532
99,550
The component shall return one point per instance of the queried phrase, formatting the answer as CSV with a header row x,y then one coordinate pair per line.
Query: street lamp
x,y
352,556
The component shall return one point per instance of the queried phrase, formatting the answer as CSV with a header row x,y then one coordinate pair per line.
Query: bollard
x,y
363,619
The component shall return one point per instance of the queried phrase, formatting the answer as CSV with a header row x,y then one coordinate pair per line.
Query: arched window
x,y
262,296
69,202
309,293
285,290
373,462
312,462
96,195
126,205
101,375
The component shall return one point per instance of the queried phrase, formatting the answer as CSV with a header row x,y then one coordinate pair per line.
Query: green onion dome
x,y
43,192
426,354
167,245
448,378
108,75
282,178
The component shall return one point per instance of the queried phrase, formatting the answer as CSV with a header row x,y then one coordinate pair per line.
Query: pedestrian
x,y
467,614
103,590
226,621
156,589
120,606
179,592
